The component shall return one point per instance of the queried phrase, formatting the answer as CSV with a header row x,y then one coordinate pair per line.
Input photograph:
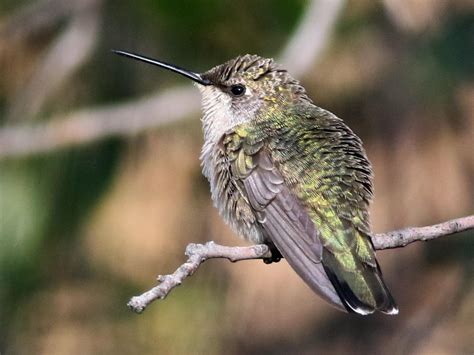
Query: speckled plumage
x,y
286,172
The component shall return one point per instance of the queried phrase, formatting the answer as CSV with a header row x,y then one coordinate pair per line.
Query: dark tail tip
x,y
389,306
350,301
383,300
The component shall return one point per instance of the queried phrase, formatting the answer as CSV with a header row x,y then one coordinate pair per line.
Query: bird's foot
x,y
276,256
271,260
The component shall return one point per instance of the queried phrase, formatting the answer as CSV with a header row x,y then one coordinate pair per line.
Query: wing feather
x,y
289,227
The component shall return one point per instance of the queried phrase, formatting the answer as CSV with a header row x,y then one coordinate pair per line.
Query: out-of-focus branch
x,y
199,253
88,125
93,124
66,54
39,16
311,36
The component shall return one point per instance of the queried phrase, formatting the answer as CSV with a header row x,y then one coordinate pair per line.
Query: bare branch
x,y
199,253
93,124
403,237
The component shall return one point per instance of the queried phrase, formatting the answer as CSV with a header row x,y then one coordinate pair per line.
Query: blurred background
x,y
101,187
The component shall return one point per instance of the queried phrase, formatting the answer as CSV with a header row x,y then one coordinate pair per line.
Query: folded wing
x,y
287,225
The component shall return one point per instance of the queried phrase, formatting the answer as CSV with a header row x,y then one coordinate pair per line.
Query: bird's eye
x,y
237,90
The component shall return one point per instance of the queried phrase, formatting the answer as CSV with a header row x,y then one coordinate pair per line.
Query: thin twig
x,y
89,125
199,253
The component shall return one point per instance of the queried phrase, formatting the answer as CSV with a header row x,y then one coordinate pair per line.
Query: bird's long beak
x,y
187,73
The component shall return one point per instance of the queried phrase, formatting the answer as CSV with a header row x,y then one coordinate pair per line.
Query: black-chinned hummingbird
x,y
292,175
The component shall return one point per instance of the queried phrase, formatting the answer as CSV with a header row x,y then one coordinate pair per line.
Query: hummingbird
x,y
289,174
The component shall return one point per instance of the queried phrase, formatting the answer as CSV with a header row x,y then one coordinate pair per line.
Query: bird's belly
x,y
229,198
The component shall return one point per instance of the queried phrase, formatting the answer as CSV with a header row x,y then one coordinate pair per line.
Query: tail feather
x,y
388,306
350,301
362,292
